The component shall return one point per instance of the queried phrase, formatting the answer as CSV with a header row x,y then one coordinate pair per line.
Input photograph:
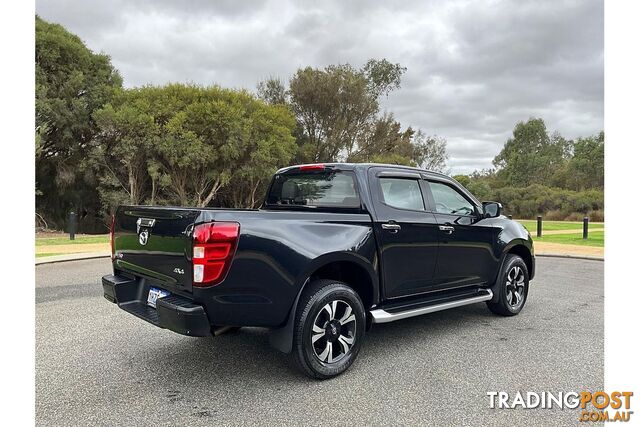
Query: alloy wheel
x,y
333,331
515,287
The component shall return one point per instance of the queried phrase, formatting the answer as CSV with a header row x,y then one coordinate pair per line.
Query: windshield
x,y
315,188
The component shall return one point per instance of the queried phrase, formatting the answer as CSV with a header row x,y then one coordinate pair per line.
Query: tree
x,y
337,104
126,137
332,105
382,76
271,146
586,166
430,152
464,180
182,144
338,116
530,156
234,137
545,174
272,91
386,142
71,83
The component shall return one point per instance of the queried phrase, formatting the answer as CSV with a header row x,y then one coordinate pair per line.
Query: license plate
x,y
154,295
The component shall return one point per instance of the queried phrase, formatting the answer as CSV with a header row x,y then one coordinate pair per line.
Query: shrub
x,y
554,215
574,216
596,216
528,202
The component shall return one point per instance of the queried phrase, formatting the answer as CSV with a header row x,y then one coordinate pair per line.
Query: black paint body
x,y
279,248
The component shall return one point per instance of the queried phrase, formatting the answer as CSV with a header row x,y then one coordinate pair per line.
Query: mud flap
x,y
282,338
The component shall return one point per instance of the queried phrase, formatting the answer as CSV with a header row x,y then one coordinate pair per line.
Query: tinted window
x,y
450,201
317,188
402,193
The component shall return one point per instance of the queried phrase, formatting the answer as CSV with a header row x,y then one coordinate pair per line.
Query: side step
x,y
383,316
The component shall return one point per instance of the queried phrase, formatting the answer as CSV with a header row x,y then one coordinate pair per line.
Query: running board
x,y
383,316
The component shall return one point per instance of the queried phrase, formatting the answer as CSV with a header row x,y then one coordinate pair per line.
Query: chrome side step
x,y
382,316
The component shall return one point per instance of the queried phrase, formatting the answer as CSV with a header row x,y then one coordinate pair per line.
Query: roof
x,y
365,166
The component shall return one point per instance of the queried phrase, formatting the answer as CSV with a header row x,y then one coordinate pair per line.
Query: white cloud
x,y
474,68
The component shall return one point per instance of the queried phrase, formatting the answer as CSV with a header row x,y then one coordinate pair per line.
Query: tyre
x,y
512,287
329,328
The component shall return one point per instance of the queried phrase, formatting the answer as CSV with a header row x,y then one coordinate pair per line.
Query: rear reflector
x,y
214,245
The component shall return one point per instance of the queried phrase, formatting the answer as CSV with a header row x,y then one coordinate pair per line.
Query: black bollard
x,y
585,227
72,225
539,233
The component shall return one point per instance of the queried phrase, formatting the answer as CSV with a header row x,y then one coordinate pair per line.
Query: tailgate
x,y
156,243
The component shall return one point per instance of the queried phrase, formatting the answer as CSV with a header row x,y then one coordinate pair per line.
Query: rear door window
x,y
315,188
402,193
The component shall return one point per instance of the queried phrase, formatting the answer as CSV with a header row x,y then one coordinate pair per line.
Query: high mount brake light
x,y
112,242
214,244
312,167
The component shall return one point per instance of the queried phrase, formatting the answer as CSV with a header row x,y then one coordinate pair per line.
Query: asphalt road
x,y
96,364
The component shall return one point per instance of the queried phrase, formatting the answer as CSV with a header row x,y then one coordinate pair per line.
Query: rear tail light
x,y
214,245
112,231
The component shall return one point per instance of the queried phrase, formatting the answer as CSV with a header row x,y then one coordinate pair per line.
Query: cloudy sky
x,y
474,69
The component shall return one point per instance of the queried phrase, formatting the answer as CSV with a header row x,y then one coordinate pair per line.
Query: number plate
x,y
154,295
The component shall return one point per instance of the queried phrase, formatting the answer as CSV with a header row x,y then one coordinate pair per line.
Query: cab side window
x,y
402,193
449,201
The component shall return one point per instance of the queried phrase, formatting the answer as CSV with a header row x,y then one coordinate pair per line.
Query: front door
x,y
406,232
466,238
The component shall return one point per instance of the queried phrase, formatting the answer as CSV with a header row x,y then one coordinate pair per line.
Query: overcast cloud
x,y
474,69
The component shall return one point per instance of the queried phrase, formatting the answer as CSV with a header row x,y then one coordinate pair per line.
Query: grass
x,y
596,238
79,240
532,225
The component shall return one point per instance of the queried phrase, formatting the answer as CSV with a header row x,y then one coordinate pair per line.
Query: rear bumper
x,y
173,312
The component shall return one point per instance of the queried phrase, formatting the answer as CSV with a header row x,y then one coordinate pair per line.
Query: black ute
x,y
333,249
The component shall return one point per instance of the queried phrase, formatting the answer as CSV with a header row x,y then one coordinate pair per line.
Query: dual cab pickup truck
x,y
334,249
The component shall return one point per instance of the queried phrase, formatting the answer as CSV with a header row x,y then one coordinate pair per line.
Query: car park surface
x,y
97,365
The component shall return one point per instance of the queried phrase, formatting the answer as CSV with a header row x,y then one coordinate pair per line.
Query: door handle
x,y
446,228
394,228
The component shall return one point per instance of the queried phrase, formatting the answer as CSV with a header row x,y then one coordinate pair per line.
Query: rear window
x,y
315,188
402,193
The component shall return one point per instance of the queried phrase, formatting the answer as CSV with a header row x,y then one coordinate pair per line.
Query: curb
x,y
587,257
71,257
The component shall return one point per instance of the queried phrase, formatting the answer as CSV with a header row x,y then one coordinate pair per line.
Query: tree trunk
x,y
153,191
133,191
214,190
252,200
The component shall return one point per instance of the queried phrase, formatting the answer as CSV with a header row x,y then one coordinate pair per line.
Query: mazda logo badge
x,y
143,238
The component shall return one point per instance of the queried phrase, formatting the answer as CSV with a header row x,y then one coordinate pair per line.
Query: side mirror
x,y
491,209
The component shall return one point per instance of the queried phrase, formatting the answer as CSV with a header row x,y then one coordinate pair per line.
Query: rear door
x,y
466,238
156,243
406,233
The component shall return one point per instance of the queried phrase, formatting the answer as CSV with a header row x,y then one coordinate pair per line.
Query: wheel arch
x,y
520,249
516,247
347,267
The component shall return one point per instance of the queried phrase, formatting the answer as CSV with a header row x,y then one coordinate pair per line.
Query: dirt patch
x,y
73,248
546,248
58,234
